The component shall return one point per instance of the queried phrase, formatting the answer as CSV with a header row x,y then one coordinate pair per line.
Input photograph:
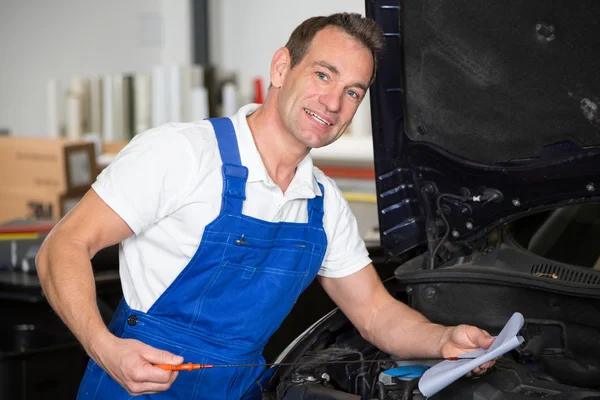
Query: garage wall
x,y
41,40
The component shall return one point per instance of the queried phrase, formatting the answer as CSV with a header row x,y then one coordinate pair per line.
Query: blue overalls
x,y
231,297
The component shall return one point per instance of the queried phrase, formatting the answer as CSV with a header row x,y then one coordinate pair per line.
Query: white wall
x,y
40,40
245,34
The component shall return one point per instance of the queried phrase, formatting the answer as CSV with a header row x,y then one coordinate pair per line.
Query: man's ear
x,y
279,66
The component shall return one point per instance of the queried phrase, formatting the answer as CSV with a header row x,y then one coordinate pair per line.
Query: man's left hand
x,y
465,338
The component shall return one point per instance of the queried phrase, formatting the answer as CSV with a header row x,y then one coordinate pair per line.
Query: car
x,y
486,126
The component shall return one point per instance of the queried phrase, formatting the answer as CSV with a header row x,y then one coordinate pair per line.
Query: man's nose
x,y
332,99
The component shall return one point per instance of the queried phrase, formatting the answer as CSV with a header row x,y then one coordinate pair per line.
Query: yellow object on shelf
x,y
361,197
18,236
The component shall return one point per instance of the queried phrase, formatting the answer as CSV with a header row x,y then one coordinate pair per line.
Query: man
x,y
222,224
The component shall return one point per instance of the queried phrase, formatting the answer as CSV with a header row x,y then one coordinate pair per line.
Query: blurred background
x,y
103,72
78,80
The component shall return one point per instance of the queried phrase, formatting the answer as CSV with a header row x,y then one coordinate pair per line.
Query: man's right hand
x,y
131,363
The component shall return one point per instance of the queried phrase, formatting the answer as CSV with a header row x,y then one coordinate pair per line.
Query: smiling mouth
x,y
316,117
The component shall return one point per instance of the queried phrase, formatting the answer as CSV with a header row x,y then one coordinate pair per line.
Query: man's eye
x,y
322,75
353,94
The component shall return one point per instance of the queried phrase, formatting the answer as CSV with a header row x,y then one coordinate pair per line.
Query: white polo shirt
x,y
166,184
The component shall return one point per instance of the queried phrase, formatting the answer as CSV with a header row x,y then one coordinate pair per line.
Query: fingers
x,y
156,356
482,338
140,388
150,373
131,364
477,371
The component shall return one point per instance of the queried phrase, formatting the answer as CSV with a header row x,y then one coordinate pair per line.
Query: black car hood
x,y
498,99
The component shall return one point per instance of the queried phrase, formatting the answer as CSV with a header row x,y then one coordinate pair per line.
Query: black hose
x,y
409,387
446,225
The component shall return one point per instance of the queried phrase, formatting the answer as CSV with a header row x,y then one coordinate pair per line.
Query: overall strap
x,y
315,209
234,173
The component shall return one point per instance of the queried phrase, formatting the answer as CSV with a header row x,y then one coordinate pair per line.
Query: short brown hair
x,y
364,30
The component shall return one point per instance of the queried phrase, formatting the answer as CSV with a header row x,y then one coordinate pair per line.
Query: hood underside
x,y
499,80
497,101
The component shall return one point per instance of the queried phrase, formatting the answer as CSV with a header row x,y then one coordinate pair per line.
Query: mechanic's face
x,y
319,96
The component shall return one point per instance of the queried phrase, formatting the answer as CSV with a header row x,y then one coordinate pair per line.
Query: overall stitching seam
x,y
185,330
200,300
298,225
299,250
205,353
232,382
265,246
102,375
183,273
140,332
285,273
198,383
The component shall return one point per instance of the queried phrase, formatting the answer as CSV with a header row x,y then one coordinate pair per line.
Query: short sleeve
x,y
346,250
148,179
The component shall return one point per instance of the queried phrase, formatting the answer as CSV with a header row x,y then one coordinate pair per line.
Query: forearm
x,y
397,329
66,276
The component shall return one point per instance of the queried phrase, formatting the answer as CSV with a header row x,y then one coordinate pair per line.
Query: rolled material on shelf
x,y
159,96
53,102
199,104
80,88
230,99
95,106
118,107
108,133
143,102
74,109
174,93
186,92
128,107
197,76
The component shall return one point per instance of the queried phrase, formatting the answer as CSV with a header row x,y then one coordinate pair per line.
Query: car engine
x,y
559,359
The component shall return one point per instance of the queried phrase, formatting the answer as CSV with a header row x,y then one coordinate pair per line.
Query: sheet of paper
x,y
441,375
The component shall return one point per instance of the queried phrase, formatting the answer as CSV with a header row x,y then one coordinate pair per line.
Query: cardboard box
x,y
113,147
35,204
54,165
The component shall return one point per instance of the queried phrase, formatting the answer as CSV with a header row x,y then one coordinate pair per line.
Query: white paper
x,y
441,375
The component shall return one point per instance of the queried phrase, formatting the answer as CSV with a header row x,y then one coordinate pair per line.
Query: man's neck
x,y
279,149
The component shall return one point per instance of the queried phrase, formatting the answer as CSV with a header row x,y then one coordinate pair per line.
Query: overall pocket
x,y
246,302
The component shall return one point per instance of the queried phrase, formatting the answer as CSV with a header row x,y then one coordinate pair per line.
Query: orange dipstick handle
x,y
183,367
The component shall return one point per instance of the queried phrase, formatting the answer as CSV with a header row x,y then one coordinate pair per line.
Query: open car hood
x,y
495,105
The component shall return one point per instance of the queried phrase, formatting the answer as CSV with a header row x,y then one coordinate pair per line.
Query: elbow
x,y
43,264
366,334
367,329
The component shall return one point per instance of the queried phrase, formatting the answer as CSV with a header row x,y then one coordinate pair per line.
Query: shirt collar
x,y
303,184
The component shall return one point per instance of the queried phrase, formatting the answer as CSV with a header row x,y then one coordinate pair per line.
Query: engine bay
x,y
342,365
559,359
